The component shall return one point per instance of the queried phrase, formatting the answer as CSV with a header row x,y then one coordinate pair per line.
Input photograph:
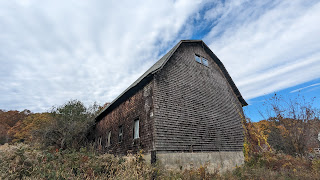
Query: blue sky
x,y
53,51
258,107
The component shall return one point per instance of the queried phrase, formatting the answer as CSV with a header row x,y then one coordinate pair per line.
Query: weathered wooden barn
x,y
184,109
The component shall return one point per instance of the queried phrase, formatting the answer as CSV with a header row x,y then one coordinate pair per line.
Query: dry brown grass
x,y
24,162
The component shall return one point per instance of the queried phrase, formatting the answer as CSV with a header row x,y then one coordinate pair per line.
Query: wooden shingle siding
x,y
140,105
182,106
195,107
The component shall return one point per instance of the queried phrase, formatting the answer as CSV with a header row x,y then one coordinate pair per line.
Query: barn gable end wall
x,y
194,105
188,113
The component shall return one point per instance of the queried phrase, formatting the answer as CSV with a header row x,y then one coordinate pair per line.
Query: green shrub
x,y
69,126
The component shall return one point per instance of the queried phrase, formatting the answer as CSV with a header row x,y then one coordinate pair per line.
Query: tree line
x,y
65,126
290,126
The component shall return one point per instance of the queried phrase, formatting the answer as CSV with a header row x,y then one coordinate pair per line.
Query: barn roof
x,y
158,66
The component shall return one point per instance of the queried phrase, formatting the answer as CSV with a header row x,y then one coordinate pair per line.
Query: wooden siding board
x,y
139,105
195,106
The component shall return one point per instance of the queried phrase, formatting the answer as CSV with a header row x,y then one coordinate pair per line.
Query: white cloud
x,y
52,51
312,85
268,45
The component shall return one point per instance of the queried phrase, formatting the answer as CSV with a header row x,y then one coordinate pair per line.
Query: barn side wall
x,y
195,107
139,106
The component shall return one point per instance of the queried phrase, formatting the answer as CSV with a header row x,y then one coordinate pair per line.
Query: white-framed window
x,y
108,143
136,129
201,60
120,136
100,141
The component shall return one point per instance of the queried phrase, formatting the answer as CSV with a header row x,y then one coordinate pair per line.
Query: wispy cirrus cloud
x,y
52,51
266,45
310,86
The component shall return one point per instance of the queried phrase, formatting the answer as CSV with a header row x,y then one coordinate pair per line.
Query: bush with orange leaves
x,y
295,125
256,138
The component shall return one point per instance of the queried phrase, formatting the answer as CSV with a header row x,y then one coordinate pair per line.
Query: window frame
x,y
108,139
197,58
138,129
120,134
204,61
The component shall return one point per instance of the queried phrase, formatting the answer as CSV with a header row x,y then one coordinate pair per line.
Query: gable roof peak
x,y
159,65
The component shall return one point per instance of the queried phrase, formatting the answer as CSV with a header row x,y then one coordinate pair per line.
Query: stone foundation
x,y
213,161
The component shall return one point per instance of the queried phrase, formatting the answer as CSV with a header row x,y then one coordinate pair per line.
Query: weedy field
x,y
21,161
55,146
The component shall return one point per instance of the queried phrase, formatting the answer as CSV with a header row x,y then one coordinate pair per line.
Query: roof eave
x,y
227,76
144,76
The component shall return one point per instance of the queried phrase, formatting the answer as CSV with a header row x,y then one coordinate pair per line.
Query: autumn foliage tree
x,y
24,130
8,119
290,126
4,133
295,125
66,126
256,137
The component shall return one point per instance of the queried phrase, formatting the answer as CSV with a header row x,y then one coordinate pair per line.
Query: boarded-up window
x,y
120,134
136,129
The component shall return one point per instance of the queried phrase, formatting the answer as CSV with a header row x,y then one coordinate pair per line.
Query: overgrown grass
x,y
278,166
24,162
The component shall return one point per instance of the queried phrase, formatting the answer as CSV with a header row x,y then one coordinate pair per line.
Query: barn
x,y
184,111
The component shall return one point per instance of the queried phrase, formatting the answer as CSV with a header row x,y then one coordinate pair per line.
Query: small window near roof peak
x,y
201,60
205,62
198,58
